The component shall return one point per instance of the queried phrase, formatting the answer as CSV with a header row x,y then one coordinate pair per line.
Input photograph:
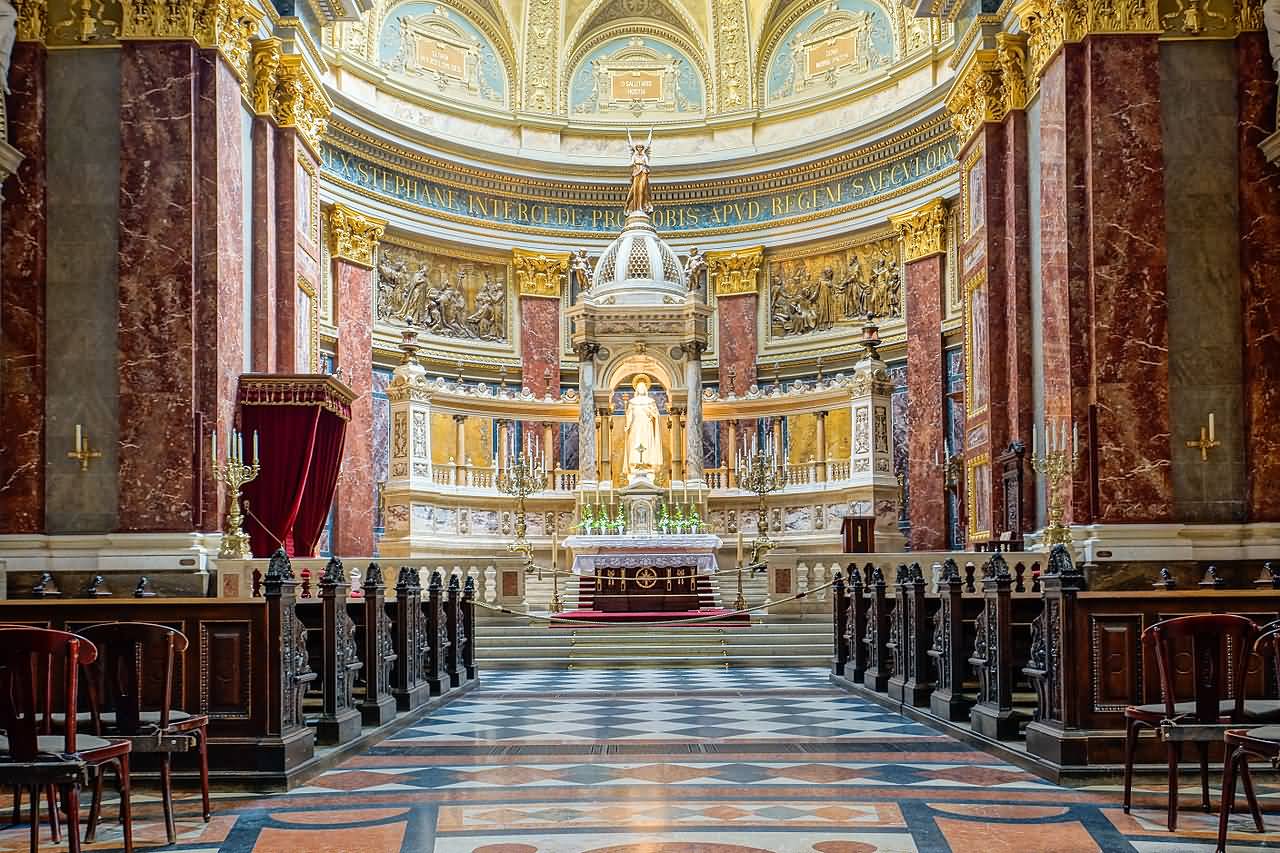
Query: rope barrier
x,y
550,619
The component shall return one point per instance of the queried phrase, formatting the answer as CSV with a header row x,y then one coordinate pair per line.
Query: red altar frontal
x,y
643,578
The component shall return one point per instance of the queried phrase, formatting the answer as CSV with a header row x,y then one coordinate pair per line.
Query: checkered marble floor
x,y
660,761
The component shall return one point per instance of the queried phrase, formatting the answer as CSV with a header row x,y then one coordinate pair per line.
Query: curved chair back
x,y
135,670
1218,645
1267,646
30,661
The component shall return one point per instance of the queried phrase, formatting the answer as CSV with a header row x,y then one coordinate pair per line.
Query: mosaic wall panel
x,y
830,47
444,294
816,292
435,49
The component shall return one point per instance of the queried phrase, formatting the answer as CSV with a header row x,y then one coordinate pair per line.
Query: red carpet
x,y
600,619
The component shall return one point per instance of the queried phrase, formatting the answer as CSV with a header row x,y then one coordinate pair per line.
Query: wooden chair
x,y
32,757
131,697
1243,744
1200,716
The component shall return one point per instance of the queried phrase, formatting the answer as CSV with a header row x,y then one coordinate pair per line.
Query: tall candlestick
x,y
1035,441
554,548
1075,436
213,445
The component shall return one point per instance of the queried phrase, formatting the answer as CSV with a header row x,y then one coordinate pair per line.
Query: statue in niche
x,y
444,295
695,269
644,447
639,198
580,269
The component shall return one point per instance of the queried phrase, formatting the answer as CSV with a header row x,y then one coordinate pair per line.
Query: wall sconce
x,y
1206,441
83,453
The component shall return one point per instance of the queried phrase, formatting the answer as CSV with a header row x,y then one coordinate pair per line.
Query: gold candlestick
x,y
521,477
1056,464
759,473
235,474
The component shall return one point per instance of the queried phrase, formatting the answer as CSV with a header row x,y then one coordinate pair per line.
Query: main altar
x,y
645,574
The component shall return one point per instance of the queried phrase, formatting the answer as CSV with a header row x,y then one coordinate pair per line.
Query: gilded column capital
x,y
228,26
977,96
264,61
735,272
33,20
924,230
1011,56
354,236
299,101
1048,24
539,273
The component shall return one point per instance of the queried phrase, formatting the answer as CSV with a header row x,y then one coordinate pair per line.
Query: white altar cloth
x,y
630,551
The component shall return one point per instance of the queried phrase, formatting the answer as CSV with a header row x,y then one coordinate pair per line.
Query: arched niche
x,y
437,50
640,75
817,49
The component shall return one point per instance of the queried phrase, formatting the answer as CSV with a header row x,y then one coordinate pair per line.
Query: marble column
x,y
586,353
693,431
23,367
156,311
1260,267
264,252
605,436
924,245
353,244
734,277
460,449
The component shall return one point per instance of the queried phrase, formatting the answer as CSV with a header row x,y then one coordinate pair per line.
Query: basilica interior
x,y
551,426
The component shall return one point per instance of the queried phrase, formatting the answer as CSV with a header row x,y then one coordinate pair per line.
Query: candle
x,y
79,444
255,447
1075,435
1211,426
213,444
1035,441
739,549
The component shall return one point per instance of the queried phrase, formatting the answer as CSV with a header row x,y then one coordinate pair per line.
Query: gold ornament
x,y
353,236
735,272
924,230
300,102
539,273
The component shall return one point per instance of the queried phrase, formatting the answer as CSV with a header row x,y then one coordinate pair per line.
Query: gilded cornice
x,y
923,231
729,30
354,236
539,273
299,101
735,272
977,96
33,20
1048,24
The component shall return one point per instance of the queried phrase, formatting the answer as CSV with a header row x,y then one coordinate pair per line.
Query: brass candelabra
x,y
234,473
520,477
760,473
1055,464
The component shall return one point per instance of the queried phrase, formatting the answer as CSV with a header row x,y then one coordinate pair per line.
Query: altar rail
x,y
1021,651
277,675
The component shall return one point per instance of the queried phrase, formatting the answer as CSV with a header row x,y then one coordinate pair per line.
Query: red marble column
x,y
737,341
924,244
297,244
540,355
22,302
353,508
157,280
1260,268
219,302
1019,411
264,251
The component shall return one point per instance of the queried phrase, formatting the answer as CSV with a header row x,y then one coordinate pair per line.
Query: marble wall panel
x,y
1017,280
736,334
1128,277
84,195
264,249
1205,351
297,216
219,299
1259,214
22,300
158,110
539,351
353,502
924,402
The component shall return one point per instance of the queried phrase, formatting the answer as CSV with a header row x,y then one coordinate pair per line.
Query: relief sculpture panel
x,y
816,292
446,295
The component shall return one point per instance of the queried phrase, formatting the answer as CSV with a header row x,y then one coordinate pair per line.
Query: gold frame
x,y
971,499
313,234
966,200
971,285
310,290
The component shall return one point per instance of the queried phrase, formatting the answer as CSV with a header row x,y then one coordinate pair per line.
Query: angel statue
x,y
639,199
580,267
694,268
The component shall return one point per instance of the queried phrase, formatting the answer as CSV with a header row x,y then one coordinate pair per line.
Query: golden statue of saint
x,y
639,199
644,448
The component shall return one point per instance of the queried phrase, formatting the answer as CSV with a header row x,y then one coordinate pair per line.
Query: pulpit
x,y
300,421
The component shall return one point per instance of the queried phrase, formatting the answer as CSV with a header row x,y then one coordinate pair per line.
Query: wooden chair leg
x,y
1173,751
1249,796
55,829
17,804
1130,747
126,809
203,735
166,795
35,819
95,807
71,804
1228,795
1203,748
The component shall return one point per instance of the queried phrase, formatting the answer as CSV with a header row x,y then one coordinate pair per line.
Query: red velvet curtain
x,y
322,480
287,438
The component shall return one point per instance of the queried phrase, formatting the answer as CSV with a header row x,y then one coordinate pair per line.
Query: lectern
x,y
301,425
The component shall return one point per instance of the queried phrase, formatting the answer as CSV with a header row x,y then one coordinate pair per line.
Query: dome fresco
x,y
830,47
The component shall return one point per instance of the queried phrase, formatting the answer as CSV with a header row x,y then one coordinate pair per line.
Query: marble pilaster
x,y
22,299
1259,212
1019,408
297,213
540,279
353,239
157,278
264,251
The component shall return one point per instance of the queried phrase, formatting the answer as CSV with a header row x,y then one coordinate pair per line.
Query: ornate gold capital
x,y
229,27
299,101
1011,56
991,84
353,236
924,230
33,20
1048,24
147,19
539,273
265,62
735,272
